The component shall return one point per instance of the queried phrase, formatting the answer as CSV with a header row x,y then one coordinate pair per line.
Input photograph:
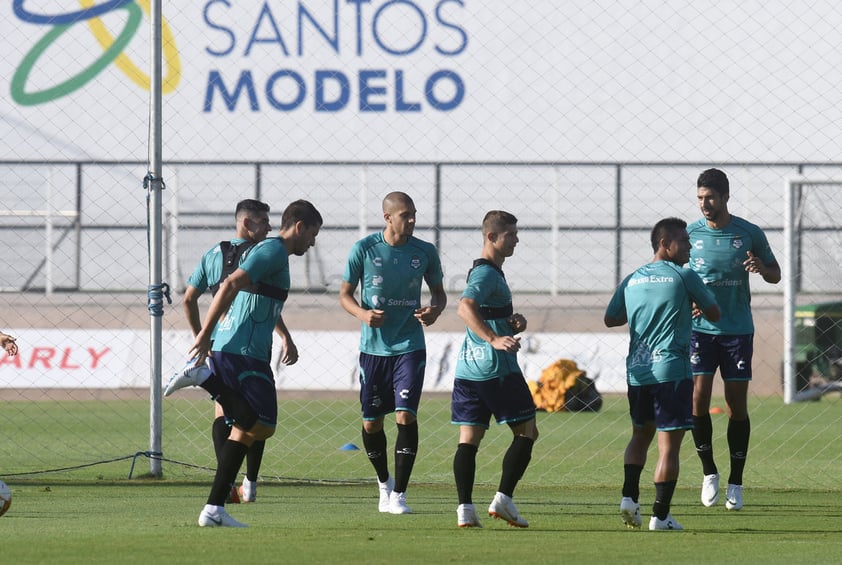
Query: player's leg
x,y
464,474
673,404
641,412
254,458
739,432
705,358
666,479
472,416
408,381
220,430
258,391
736,374
374,408
512,404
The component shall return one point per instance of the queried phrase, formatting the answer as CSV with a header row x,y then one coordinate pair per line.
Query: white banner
x,y
327,360
322,80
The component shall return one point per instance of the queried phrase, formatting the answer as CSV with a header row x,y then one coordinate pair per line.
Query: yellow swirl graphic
x,y
124,63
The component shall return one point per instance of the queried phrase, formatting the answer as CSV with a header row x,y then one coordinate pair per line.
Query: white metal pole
x,y
154,227
363,228
789,379
48,236
554,235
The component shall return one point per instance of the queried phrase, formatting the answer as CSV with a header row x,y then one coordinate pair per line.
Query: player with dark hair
x,y
657,301
240,375
252,227
488,379
725,249
390,267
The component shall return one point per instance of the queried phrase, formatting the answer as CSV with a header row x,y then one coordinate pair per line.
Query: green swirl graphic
x,y
21,76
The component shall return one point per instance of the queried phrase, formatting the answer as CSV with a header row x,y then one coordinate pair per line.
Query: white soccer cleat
x,y
734,497
466,516
397,503
666,524
189,375
503,507
385,493
630,512
710,489
218,517
248,491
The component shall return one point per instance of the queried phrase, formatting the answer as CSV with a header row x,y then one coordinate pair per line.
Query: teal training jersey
x,y
477,360
717,255
248,325
657,301
390,280
209,270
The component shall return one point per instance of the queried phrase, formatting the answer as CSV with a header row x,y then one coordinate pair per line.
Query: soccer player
x,y
488,378
8,344
391,265
657,301
725,249
252,226
240,376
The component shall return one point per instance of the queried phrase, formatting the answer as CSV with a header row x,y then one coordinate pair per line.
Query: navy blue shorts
x,y
731,354
669,405
391,384
508,399
253,379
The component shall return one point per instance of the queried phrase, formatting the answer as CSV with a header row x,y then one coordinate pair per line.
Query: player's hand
x,y
506,343
9,345
374,318
517,322
696,310
201,348
290,354
427,315
754,264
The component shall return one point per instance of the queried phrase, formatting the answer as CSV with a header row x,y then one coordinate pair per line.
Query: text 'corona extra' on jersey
x,y
657,300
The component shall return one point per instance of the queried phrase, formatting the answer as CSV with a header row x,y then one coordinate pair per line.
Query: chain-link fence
x,y
587,120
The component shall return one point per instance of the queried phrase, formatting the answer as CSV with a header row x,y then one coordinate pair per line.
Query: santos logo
x,y
112,48
341,34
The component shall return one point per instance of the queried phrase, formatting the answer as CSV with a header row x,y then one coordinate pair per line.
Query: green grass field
x,y
570,494
152,522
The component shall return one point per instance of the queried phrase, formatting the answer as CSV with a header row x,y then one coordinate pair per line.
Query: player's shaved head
x,y
396,200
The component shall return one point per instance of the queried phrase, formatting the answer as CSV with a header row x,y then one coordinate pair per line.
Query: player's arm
x,y
428,315
616,313
771,273
712,313
190,304
223,299
289,353
371,318
469,312
612,322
